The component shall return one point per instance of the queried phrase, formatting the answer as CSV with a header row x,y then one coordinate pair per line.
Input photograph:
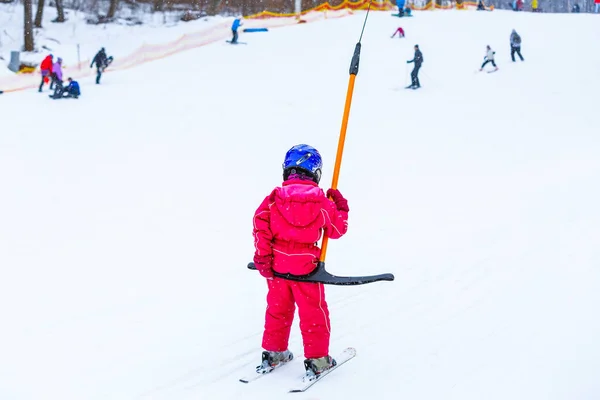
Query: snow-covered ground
x,y
125,216
76,42
63,39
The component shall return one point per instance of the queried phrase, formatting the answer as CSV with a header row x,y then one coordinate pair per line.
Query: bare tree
x,y
112,9
60,11
28,26
39,14
157,5
214,6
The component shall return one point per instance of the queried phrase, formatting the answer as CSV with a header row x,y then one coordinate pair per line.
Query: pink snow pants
x,y
314,316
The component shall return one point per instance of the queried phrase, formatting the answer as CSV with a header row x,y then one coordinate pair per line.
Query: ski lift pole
x,y
340,150
320,274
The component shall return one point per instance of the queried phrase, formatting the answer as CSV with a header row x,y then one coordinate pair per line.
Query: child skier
x,y
400,33
489,58
287,226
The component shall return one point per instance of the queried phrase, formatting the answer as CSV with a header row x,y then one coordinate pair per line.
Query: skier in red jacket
x,y
287,226
46,68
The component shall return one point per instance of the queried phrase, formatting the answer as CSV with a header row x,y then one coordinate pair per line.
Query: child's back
x,y
287,226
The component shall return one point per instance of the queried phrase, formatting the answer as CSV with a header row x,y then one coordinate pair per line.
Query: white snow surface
x,y
63,39
126,215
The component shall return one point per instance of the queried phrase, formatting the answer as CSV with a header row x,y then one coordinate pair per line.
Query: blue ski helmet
x,y
303,159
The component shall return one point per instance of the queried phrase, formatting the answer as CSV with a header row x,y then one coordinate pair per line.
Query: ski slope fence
x,y
215,33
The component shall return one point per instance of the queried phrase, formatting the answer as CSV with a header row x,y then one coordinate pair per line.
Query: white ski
x,y
309,380
260,372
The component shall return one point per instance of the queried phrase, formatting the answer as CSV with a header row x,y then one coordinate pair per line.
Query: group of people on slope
x,y
515,48
52,73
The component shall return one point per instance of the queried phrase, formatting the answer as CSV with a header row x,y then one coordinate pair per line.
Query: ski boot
x,y
271,359
316,366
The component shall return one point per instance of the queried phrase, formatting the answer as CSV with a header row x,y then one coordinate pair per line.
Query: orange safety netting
x,y
345,5
266,19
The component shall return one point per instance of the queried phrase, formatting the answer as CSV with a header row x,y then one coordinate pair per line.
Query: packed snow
x,y
126,215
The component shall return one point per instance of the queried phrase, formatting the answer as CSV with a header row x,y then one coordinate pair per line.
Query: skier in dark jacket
x,y
101,61
515,45
418,60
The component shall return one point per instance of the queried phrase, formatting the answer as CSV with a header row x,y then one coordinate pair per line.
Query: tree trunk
x,y
39,14
157,5
28,26
60,11
112,10
213,7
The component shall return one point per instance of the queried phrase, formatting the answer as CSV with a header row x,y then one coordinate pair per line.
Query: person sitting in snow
x,y
234,28
400,32
489,58
70,91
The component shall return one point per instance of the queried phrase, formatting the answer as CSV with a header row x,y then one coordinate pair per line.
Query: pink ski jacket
x,y
289,223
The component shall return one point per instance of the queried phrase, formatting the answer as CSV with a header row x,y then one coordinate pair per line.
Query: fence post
x,y
78,56
14,61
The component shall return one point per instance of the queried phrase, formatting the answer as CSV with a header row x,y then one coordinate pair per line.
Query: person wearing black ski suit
x,y
100,60
418,60
515,45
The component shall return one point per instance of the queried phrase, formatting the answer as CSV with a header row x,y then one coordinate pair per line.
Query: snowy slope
x,y
125,216
62,39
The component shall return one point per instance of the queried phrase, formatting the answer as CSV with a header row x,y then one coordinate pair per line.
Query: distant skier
x,y
517,5
234,29
287,226
101,61
46,69
400,4
515,45
418,60
481,6
576,8
597,6
400,33
489,58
